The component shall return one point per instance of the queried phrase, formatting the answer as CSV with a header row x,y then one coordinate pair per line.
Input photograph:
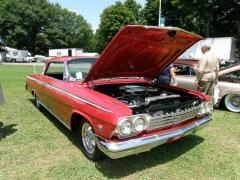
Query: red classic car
x,y
228,82
112,101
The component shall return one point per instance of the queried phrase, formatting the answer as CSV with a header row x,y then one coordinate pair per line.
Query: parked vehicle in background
x,y
17,55
31,59
41,58
3,56
222,47
229,82
65,52
111,101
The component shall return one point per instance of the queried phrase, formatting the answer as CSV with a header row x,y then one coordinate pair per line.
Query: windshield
x,y
78,68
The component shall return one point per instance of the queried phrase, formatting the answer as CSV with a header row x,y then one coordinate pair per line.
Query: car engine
x,y
142,98
139,96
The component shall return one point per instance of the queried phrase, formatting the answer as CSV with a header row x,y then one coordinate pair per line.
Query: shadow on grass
x,y
119,168
7,130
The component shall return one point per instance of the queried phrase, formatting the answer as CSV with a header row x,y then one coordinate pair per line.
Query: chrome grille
x,y
173,118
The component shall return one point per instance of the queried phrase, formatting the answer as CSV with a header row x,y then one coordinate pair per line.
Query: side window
x,y
236,74
192,71
55,70
230,77
185,70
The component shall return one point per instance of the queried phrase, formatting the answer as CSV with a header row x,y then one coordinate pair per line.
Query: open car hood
x,y
141,51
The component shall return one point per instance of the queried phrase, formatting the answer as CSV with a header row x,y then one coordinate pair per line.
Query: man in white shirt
x,y
207,74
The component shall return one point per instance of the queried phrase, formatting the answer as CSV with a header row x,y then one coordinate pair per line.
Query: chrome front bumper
x,y
135,146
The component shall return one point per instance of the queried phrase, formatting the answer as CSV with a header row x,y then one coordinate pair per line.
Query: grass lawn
x,y
38,146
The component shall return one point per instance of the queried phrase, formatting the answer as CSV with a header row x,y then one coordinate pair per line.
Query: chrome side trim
x,y
111,102
69,94
135,146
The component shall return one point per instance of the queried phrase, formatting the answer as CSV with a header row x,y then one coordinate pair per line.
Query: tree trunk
x,y
239,25
239,39
207,29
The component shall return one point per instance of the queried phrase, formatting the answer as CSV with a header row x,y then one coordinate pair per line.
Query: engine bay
x,y
147,99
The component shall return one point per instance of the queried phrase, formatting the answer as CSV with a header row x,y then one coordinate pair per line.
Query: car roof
x,y
69,58
192,62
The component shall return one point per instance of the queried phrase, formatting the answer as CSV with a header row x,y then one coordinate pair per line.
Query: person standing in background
x,y
191,56
207,71
167,74
2,101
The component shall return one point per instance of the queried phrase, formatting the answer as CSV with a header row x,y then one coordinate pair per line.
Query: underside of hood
x,y
141,51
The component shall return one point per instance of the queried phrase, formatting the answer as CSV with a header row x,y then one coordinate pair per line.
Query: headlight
x,y
129,126
209,106
138,124
125,127
206,107
203,108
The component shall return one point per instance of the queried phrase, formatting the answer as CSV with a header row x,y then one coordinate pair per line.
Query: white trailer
x,y
222,47
3,56
18,55
65,52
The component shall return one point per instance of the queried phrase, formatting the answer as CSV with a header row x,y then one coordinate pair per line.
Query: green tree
x,y
208,18
177,13
151,12
37,25
2,45
226,18
92,44
113,18
205,17
136,9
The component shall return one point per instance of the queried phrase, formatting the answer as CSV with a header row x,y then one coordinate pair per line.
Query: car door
x,y
185,76
51,85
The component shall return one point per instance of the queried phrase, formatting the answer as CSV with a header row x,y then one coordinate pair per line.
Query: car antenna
x,y
34,68
33,64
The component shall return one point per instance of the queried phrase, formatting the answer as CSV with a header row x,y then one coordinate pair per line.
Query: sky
x,y
90,9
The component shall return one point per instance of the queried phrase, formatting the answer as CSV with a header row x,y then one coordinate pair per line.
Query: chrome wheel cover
x,y
88,138
232,102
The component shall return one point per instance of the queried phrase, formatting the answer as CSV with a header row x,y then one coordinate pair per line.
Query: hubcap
x,y
233,103
88,138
